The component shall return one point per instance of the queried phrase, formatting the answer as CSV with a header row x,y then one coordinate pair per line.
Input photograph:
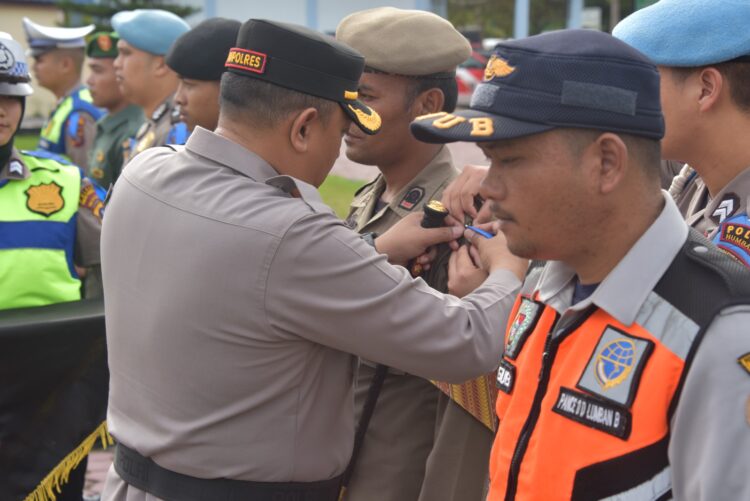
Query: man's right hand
x,y
458,197
406,239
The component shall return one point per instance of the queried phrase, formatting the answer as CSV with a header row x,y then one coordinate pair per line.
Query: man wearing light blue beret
x,y
142,73
702,49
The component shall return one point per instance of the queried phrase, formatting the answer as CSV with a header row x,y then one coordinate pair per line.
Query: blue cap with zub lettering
x,y
570,78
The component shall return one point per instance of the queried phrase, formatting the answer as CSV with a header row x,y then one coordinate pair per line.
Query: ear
x,y
609,155
711,84
429,101
160,66
301,130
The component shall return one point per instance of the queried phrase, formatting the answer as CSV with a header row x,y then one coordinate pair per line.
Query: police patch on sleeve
x,y
523,324
614,369
506,376
744,362
594,412
733,238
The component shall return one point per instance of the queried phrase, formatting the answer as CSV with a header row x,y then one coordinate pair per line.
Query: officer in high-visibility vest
x,y
50,218
58,62
626,369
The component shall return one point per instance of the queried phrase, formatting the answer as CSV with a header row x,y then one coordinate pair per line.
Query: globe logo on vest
x,y
615,362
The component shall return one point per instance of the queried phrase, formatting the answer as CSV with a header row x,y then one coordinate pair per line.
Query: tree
x,y
100,14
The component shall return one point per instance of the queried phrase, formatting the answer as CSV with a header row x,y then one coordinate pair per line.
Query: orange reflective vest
x,y
585,402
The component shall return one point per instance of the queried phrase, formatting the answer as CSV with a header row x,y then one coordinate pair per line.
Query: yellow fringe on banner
x,y
45,491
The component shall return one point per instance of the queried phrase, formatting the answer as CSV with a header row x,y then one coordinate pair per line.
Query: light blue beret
x,y
150,30
689,32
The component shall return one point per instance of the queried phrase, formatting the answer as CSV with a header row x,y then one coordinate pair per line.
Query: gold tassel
x,y
45,491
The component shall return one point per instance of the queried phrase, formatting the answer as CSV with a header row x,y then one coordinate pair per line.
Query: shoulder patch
x,y
76,128
523,324
733,237
726,208
412,198
744,362
91,200
614,369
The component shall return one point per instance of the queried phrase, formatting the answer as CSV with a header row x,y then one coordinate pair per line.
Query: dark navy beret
x,y
570,78
689,32
304,60
200,53
150,30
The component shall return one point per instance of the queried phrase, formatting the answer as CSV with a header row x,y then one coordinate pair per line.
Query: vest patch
x,y
45,199
744,362
412,198
506,376
523,324
614,369
593,412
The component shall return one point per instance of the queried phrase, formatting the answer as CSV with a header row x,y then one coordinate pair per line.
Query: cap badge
x,y
104,42
371,121
45,199
497,67
350,95
7,61
247,60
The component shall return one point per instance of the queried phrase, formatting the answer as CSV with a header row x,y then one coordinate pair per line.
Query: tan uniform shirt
x,y
153,132
723,218
427,185
232,310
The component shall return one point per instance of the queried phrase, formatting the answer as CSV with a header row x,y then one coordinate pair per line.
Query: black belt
x,y
142,473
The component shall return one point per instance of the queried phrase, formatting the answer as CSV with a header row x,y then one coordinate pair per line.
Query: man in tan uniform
x,y
706,102
145,79
232,313
419,444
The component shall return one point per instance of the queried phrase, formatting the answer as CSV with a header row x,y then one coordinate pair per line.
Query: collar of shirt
x,y
111,121
226,152
625,288
15,168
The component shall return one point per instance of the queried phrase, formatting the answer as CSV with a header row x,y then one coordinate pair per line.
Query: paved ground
x,y
463,153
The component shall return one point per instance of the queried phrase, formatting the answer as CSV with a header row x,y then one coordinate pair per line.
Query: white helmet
x,y
14,72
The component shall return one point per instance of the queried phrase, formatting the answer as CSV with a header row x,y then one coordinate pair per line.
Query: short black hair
x,y
265,104
447,85
736,73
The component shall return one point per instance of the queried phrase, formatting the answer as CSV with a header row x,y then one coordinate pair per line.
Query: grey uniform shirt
x,y
232,310
709,449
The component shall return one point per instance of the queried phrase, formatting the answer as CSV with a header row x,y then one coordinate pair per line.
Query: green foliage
x,y
26,141
101,13
338,192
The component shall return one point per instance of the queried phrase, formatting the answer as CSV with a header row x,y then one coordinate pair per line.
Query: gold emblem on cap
x,y
497,67
351,95
370,121
104,42
45,199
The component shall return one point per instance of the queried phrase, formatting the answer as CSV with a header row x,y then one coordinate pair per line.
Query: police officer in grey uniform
x,y
232,314
705,82
145,79
419,444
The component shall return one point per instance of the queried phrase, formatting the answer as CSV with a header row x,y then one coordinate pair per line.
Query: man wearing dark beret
x,y
122,119
235,298
198,58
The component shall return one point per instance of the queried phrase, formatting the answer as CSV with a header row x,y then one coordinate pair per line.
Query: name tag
x,y
594,412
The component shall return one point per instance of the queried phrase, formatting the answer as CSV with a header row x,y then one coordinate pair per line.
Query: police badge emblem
x,y
45,199
523,324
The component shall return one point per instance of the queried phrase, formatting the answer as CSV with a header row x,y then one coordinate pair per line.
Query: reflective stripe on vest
x,y
37,235
585,415
54,133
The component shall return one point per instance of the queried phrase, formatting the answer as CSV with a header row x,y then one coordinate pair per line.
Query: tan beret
x,y
404,42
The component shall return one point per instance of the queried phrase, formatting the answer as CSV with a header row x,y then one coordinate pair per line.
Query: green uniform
x,y
420,445
112,130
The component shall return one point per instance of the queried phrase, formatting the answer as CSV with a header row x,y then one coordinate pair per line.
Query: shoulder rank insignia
x,y
412,198
159,112
744,362
145,142
497,67
615,367
15,169
726,208
45,199
523,324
